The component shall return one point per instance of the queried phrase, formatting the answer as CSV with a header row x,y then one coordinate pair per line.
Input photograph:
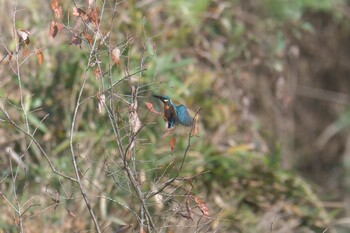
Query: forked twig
x,y
169,182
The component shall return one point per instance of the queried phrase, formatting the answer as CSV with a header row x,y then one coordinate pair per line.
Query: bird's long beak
x,y
159,97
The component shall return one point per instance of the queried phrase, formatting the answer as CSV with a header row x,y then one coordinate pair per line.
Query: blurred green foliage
x,y
293,10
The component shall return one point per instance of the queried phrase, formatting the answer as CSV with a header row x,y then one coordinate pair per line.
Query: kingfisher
x,y
175,114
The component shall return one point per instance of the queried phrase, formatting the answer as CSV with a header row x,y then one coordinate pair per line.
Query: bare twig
x,y
38,145
166,184
74,119
18,73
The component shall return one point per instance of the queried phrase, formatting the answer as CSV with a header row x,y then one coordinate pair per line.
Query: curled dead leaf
x,y
172,143
54,4
151,108
201,205
97,73
23,36
75,39
88,38
81,13
75,11
84,16
116,55
94,16
25,50
53,29
134,120
39,56
56,9
58,12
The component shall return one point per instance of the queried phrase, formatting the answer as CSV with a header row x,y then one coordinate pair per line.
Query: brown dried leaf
x,y
79,12
39,56
116,55
25,50
201,205
54,4
56,9
75,39
151,108
23,36
75,11
85,17
53,29
94,16
97,73
134,120
172,143
58,12
88,38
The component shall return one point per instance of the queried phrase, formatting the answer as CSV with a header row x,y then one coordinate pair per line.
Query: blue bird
x,y
175,114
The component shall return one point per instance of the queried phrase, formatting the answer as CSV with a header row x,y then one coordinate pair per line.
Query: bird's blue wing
x,y
183,117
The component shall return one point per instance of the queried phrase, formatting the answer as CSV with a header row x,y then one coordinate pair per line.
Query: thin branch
x,y
18,70
38,145
166,184
74,119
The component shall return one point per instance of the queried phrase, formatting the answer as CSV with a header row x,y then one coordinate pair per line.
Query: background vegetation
x,y
271,78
